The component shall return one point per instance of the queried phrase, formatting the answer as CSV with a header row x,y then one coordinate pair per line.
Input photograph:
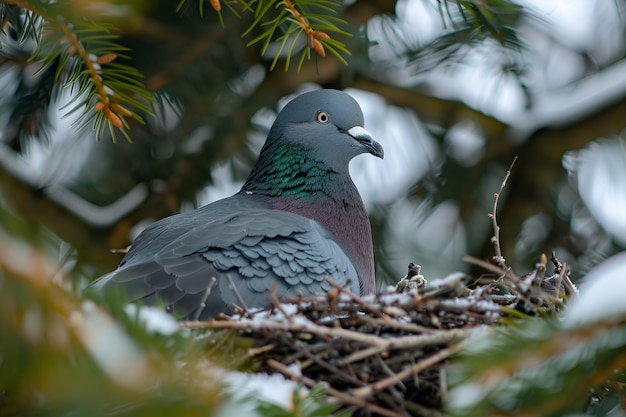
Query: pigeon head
x,y
328,122
311,144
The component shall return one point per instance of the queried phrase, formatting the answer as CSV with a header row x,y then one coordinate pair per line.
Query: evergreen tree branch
x,y
314,20
51,336
517,370
109,93
313,36
467,24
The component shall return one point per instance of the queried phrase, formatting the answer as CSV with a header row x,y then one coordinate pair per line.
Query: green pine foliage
x,y
83,50
469,23
542,368
109,93
296,26
63,352
80,47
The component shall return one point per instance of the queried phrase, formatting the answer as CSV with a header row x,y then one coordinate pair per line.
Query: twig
x,y
397,325
420,366
354,298
276,303
558,266
498,259
539,274
260,350
238,295
409,342
343,398
568,285
333,369
443,384
313,36
563,276
299,326
490,267
361,354
388,371
207,292
402,342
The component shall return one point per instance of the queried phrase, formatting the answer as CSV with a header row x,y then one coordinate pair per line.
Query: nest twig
x,y
384,354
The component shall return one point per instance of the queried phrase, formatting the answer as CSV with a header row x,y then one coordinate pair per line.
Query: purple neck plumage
x,y
292,179
346,219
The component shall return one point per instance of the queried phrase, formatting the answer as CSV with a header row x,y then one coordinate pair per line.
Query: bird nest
x,y
386,354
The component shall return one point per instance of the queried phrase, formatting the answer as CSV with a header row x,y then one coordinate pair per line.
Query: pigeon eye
x,y
322,116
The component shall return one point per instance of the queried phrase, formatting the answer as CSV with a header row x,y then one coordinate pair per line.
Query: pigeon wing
x,y
258,248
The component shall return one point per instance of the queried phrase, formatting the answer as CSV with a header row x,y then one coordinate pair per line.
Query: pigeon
x,y
297,220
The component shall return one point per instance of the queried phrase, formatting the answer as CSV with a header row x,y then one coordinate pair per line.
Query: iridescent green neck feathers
x,y
290,170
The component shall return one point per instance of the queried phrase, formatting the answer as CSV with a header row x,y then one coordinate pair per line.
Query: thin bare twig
x,y
207,292
231,283
398,325
276,304
361,354
498,259
394,379
558,266
358,300
401,342
342,397
568,285
299,326
500,271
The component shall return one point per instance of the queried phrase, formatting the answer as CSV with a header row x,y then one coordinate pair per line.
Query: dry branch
x,y
498,259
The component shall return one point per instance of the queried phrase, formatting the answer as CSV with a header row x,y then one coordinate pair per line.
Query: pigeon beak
x,y
365,139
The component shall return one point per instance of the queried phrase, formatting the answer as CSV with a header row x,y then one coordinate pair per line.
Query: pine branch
x,y
466,24
541,368
107,92
287,23
51,336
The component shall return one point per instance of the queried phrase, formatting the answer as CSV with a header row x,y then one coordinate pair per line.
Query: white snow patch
x,y
301,320
369,298
462,304
395,298
271,388
601,294
445,281
466,396
109,345
600,170
289,309
155,320
466,142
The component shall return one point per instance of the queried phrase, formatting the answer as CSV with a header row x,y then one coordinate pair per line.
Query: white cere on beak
x,y
359,132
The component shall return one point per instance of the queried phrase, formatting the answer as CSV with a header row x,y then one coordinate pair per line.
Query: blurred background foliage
x,y
116,113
